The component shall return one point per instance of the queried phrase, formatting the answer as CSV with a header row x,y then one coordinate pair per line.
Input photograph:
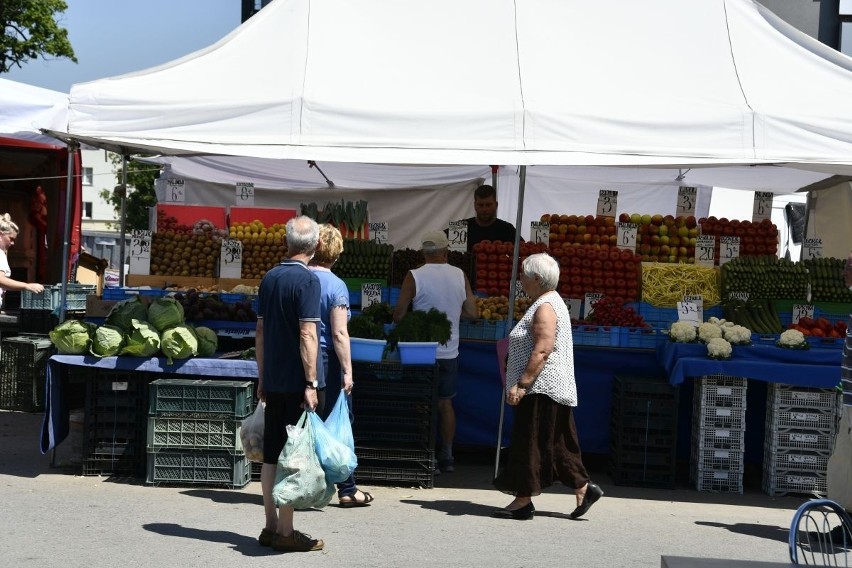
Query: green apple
x,y
664,230
636,218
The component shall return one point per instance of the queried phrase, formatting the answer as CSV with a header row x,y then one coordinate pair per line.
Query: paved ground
x,y
51,517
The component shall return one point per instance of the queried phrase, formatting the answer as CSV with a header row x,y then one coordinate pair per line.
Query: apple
x,y
672,259
657,219
674,241
646,219
655,240
693,241
664,230
636,218
664,250
624,218
653,229
681,251
655,250
545,218
693,232
691,222
664,240
669,220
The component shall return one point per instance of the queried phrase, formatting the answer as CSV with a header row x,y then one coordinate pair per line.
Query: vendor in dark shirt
x,y
485,225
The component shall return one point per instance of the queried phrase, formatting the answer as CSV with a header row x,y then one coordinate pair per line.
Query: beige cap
x,y
434,240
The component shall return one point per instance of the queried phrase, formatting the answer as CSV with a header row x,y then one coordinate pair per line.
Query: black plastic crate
x,y
43,321
377,371
173,397
23,364
396,472
653,477
395,454
644,406
369,406
115,459
212,468
644,388
394,391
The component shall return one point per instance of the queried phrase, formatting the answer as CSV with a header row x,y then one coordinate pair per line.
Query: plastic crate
x,y
639,387
397,472
424,456
50,298
482,329
256,468
118,294
596,335
778,441
796,460
655,478
198,467
23,363
788,397
719,417
118,459
779,483
377,371
231,398
657,315
713,395
644,407
718,438
642,337
717,460
194,433
801,420
718,481
825,342
364,406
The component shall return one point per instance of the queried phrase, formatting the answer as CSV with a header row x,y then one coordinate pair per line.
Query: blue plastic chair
x,y
816,537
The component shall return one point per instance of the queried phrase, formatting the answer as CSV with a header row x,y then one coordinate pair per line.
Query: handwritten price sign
x,y
140,252
245,193
589,302
705,254
696,300
627,235
574,306
729,249
379,233
686,197
540,232
231,259
688,311
762,208
812,248
741,296
175,192
802,311
371,293
607,203
457,234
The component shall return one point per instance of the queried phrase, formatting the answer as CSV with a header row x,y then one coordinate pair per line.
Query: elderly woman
x,y
334,343
540,385
8,234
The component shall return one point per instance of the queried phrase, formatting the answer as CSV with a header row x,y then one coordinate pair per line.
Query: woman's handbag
x,y
251,434
299,478
336,457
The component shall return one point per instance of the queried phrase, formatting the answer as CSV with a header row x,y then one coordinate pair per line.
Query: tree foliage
x,y
31,30
140,177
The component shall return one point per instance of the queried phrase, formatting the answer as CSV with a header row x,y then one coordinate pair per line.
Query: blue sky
x,y
113,37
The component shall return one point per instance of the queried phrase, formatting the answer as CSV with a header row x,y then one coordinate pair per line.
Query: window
x,y
87,209
88,177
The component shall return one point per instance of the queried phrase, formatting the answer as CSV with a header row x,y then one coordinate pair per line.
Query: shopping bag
x,y
337,459
251,434
339,424
299,478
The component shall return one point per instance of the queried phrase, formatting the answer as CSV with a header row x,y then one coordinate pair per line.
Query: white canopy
x,y
25,109
530,82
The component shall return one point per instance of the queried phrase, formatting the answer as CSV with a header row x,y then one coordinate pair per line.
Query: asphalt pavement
x,y
52,516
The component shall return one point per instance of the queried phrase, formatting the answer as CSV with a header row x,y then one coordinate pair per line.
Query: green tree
x,y
31,30
140,198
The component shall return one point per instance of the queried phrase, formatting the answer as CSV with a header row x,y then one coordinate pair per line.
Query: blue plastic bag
x,y
337,459
339,423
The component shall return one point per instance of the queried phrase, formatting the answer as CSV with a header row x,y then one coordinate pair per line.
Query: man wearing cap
x,y
438,285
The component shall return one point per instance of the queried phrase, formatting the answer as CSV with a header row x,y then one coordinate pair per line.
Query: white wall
x,y
103,177
802,14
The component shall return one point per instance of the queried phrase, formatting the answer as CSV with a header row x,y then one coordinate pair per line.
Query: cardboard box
x,y
98,308
138,280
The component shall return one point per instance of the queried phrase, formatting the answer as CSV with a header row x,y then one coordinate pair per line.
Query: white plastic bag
x,y
251,434
299,478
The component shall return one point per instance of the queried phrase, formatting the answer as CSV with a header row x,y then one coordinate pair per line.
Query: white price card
x,y
589,302
705,253
698,301
457,234
729,249
231,259
812,248
574,306
762,208
607,203
379,233
540,232
741,296
371,293
686,197
175,191
802,311
140,252
688,311
519,291
245,193
627,235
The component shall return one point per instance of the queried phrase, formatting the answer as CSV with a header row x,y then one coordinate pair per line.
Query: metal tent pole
x,y
123,193
66,243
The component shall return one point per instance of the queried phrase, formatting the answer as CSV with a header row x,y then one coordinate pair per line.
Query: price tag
x,y
540,232
698,301
627,235
802,311
688,311
686,197
762,206
231,259
379,233
175,191
729,249
574,306
607,203
457,235
704,250
741,296
140,252
371,293
519,291
245,193
812,248
589,303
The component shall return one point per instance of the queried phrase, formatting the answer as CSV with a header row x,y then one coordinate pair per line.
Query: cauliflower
x,y
708,331
793,339
736,335
718,348
682,332
714,319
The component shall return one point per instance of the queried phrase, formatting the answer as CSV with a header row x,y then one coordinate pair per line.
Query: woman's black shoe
x,y
593,493
525,513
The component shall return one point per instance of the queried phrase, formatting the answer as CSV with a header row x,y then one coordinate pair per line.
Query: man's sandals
x,y
353,501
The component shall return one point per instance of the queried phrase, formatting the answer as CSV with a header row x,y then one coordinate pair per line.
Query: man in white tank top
x,y
438,285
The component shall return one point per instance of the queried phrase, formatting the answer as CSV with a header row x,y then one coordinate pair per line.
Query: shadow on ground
x,y
751,529
244,544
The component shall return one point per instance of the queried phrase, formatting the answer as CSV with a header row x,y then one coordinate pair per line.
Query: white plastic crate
x,y
786,396
714,392
779,441
803,420
718,438
796,460
722,481
716,460
719,417
723,381
781,483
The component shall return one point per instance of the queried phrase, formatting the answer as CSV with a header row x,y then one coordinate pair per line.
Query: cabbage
x,y
107,341
142,339
208,341
126,310
165,313
178,342
71,337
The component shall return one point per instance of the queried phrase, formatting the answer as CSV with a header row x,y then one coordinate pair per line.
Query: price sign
x,y
540,232
762,208
457,234
802,311
371,293
741,296
140,252
379,233
607,203
729,249
627,235
175,191
698,301
231,259
245,193
519,291
688,311
589,302
574,306
705,250
686,197
812,248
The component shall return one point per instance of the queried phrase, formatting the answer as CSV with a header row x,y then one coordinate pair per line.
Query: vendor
x,y
485,225
8,233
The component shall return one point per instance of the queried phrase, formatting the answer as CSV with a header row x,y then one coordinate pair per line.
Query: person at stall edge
x,y
336,358
541,387
438,285
485,225
8,233
287,347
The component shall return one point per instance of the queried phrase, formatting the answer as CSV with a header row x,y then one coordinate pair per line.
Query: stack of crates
x,y
643,443
395,409
193,432
800,426
39,311
23,364
718,433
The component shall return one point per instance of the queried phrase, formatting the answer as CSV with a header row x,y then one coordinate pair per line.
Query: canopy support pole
x,y
66,243
122,189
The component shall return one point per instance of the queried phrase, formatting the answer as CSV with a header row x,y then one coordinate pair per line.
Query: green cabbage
x,y
208,341
107,341
126,310
71,337
178,342
165,313
142,339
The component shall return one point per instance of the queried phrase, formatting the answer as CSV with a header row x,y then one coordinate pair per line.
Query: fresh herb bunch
x,y
422,326
365,327
379,312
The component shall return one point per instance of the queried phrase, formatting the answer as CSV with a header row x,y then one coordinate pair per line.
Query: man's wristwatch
x,y
311,384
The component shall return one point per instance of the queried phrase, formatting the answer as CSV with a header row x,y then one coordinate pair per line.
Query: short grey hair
x,y
302,235
543,266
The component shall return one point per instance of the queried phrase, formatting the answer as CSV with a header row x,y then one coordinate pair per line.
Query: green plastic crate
x,y
198,467
201,396
194,433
